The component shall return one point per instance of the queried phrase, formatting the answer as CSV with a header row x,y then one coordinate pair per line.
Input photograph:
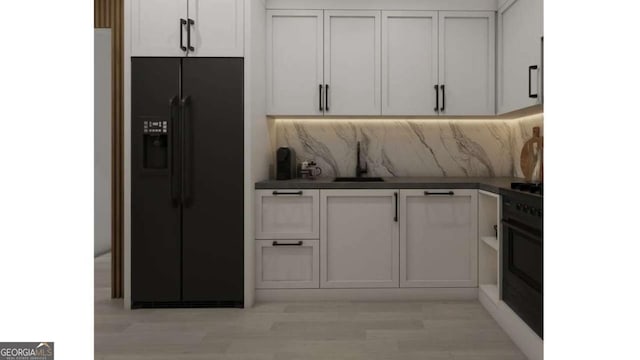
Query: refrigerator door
x,y
212,93
155,218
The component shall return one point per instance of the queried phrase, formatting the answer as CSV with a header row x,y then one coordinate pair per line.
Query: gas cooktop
x,y
534,188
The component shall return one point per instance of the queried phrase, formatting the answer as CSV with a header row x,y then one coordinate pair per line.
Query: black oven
x,y
522,257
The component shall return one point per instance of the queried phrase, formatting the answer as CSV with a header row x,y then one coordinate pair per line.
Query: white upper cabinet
x,y
218,28
520,34
358,239
438,238
352,62
187,28
294,62
156,28
467,62
409,62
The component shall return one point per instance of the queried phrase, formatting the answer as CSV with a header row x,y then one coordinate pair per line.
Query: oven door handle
x,y
520,229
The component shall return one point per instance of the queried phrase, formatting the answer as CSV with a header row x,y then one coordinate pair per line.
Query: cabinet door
x,y
438,230
352,62
156,27
359,239
287,214
409,62
519,48
467,62
294,62
218,29
282,264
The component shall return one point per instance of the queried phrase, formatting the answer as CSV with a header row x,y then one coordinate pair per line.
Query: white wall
x,y
257,146
102,141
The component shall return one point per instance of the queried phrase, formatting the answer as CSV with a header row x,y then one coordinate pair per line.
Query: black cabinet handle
x,y
182,23
449,193
442,88
276,193
174,164
191,22
532,67
326,97
395,196
185,153
320,88
435,87
275,243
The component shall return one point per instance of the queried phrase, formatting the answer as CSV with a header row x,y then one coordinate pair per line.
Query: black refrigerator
x,y
187,175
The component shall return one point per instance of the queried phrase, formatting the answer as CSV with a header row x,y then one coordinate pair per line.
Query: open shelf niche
x,y
489,244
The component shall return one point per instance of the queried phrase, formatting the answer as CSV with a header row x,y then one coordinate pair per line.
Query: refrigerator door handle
x,y
175,189
185,152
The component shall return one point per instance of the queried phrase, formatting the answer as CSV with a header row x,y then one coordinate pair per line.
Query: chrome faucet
x,y
359,170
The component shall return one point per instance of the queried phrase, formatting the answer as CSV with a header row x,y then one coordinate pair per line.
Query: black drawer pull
x,y
276,193
437,98
449,193
275,243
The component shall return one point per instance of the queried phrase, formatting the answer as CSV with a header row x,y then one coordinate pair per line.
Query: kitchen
x,y
390,150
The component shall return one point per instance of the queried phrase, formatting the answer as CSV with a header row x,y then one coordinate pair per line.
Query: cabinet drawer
x,y
287,264
287,214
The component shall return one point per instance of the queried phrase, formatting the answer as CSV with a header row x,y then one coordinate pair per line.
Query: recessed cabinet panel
x,y
156,28
438,231
218,28
287,214
287,264
359,239
467,62
294,62
352,62
409,62
519,54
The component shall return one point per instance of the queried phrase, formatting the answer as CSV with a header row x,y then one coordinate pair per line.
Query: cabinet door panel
x,y
519,33
287,214
218,29
352,62
409,62
438,246
155,27
287,264
359,239
294,62
467,62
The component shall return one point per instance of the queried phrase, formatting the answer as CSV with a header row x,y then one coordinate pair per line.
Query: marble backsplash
x,y
410,147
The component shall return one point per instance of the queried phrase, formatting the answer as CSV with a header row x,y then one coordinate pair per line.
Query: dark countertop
x,y
491,184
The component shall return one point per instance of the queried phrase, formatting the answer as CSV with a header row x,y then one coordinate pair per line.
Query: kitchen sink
x,y
359,179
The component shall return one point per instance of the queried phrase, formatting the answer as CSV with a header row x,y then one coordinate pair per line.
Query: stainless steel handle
x,y
521,230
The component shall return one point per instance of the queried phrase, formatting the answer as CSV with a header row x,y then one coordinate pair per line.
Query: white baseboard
x,y
393,294
526,339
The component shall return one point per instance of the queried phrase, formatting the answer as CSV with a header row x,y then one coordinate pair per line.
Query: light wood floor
x,y
438,330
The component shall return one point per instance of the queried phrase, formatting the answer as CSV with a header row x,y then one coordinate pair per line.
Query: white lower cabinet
x,y
438,231
287,264
358,238
287,214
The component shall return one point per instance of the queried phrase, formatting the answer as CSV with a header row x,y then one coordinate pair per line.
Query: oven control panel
x,y
528,209
155,127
